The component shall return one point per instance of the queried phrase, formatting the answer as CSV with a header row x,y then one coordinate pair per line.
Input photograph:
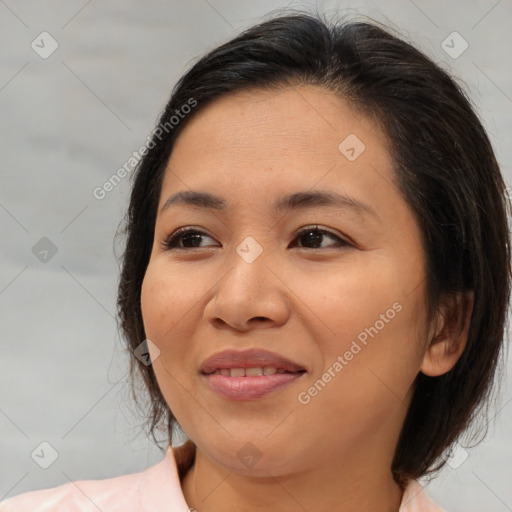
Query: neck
x,y
333,485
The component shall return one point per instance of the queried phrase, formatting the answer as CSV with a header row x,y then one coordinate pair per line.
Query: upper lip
x,y
252,358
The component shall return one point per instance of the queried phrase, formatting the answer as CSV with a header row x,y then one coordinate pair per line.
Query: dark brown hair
x,y
444,166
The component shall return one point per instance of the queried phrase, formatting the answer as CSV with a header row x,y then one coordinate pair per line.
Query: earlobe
x,y
451,334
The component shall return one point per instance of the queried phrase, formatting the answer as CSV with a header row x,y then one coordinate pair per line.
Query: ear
x,y
450,335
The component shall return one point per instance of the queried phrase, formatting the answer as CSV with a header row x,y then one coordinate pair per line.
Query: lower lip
x,y
249,388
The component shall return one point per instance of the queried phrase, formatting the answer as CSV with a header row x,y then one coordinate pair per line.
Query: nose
x,y
249,296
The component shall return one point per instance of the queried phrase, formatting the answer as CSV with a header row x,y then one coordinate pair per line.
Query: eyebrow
x,y
290,202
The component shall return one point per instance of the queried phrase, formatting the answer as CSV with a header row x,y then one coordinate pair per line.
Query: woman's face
x,y
331,280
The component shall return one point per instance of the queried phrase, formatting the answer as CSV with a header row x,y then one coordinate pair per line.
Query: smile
x,y
239,385
249,372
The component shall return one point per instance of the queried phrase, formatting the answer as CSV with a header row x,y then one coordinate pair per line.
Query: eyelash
x,y
168,243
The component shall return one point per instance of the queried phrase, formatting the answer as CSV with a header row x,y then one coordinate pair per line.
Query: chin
x,y
258,458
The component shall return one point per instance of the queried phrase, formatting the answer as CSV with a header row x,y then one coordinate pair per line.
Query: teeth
x,y
254,372
250,372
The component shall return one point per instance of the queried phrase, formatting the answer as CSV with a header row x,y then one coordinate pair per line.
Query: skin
x,y
307,302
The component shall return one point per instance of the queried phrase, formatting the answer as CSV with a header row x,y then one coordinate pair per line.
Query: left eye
x,y
315,236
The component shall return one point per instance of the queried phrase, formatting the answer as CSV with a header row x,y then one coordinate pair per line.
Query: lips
x,y
249,375
253,358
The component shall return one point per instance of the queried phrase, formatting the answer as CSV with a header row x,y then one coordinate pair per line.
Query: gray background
x,y
68,123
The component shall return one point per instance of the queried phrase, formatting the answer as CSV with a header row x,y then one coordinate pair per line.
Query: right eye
x,y
185,238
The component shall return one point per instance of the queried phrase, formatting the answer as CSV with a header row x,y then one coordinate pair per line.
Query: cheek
x,y
153,297
378,334
360,300
171,302
161,309
165,311
165,298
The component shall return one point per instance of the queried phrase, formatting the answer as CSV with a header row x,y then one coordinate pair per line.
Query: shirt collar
x,y
161,484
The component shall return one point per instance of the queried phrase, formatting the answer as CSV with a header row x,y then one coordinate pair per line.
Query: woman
x,y
316,277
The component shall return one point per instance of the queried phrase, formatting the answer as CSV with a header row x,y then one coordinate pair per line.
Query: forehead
x,y
295,119
259,141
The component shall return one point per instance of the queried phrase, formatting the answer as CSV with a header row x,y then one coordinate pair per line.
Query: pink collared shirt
x,y
157,489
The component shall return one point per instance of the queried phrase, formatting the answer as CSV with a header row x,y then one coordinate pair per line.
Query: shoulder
x,y
110,494
156,488
415,499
